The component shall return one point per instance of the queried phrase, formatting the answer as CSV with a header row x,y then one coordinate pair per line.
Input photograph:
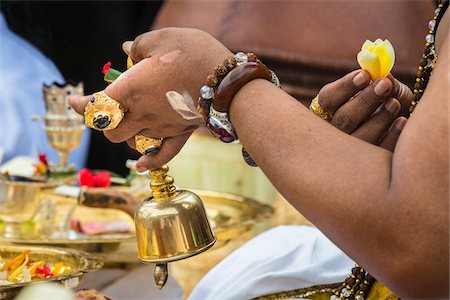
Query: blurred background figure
x,y
79,50
307,43
24,71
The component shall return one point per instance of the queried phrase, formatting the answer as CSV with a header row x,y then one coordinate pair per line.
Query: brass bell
x,y
170,225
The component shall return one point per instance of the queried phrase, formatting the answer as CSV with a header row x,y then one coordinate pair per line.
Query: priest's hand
x,y
160,92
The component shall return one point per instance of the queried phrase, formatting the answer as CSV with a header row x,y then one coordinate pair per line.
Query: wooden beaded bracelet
x,y
220,89
213,80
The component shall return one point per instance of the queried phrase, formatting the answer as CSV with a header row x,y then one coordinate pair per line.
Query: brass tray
x,y
80,262
231,215
72,239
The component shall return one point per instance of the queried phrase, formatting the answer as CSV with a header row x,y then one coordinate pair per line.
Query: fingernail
x,y
400,123
360,80
392,105
381,88
141,169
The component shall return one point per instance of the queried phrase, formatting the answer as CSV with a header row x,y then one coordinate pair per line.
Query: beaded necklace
x,y
429,56
357,285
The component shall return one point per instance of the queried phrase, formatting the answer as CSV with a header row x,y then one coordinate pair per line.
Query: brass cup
x,y
19,202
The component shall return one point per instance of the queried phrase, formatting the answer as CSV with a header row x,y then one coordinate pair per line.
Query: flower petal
x,y
378,42
367,45
386,55
370,62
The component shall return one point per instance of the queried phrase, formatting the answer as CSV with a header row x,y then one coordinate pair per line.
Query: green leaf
x,y
112,75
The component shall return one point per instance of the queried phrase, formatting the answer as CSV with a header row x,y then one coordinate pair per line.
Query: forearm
x,y
353,191
324,173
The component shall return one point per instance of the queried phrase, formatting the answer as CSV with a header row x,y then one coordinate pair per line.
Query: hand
x,y
367,111
167,60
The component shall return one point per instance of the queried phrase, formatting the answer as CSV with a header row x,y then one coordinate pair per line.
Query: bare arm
x,y
387,211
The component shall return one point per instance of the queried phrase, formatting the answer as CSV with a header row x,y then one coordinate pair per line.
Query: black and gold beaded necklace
x,y
429,56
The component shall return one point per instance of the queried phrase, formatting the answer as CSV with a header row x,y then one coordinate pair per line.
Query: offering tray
x,y
232,215
80,262
104,242
74,238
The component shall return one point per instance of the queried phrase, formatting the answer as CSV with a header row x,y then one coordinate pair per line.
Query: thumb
x,y
78,103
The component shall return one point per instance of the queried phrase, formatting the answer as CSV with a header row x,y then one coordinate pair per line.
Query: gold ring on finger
x,y
102,112
319,110
147,145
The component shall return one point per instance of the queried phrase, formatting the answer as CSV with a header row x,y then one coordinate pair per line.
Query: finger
x,y
336,93
126,47
374,129
126,90
170,147
390,139
127,129
350,115
140,48
403,93
78,103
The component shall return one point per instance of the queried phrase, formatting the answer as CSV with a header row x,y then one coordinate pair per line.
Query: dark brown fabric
x,y
308,43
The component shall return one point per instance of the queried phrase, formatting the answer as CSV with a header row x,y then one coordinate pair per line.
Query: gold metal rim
x,y
89,263
100,239
180,257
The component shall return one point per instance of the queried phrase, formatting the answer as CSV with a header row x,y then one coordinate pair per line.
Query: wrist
x,y
220,89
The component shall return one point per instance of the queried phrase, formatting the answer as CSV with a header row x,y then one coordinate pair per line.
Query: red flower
x,y
106,67
43,158
86,178
89,179
42,165
102,179
45,270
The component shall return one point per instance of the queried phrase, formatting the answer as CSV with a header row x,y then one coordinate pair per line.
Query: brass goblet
x,y
64,134
63,126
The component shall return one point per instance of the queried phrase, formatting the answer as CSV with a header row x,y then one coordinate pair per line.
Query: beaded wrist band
x,y
220,89
213,80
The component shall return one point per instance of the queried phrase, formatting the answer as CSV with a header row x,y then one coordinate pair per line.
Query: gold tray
x,y
80,262
231,215
72,239
75,238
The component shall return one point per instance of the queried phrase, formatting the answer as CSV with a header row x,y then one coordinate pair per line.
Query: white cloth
x,y
281,259
23,71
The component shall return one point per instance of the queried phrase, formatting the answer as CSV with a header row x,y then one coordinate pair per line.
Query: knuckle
x,y
113,136
136,45
344,122
324,96
367,98
131,143
382,118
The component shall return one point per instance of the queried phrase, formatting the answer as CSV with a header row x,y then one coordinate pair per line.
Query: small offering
x,y
377,58
23,268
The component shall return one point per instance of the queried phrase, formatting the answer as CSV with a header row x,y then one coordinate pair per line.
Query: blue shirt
x,y
23,71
